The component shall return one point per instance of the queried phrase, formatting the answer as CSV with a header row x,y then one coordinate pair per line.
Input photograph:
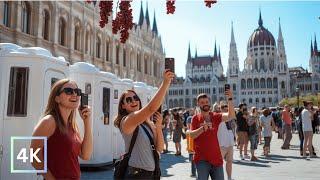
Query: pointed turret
x,y
260,20
147,16
196,54
219,56
154,26
141,17
233,60
189,53
233,41
215,55
315,44
280,32
311,48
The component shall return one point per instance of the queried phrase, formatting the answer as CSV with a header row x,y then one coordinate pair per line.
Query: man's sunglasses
x,y
131,99
70,91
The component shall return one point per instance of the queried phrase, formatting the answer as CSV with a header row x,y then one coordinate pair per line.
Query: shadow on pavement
x,y
168,160
250,163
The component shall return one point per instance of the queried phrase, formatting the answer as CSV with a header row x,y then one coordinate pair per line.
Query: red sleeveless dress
x,y
63,152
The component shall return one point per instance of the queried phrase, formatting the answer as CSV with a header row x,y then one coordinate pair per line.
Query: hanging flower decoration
x,y
170,6
210,2
124,20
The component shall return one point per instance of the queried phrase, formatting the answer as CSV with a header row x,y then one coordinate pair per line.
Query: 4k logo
x,y
22,156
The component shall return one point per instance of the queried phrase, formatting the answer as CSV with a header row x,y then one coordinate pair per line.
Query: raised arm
x,y
231,114
45,127
129,124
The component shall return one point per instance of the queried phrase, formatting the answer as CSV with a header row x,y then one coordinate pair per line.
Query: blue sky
x,y
195,23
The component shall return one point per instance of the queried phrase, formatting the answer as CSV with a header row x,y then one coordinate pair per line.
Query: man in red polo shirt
x,y
286,117
204,128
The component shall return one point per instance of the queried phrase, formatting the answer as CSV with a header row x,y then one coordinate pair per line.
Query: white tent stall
x,y
99,87
27,75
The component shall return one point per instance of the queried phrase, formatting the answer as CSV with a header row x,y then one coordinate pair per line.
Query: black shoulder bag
x,y
121,165
157,171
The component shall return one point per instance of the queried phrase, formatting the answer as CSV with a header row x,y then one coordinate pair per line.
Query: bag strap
x,y
150,138
133,140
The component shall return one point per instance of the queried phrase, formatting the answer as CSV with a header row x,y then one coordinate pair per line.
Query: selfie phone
x,y
84,100
153,117
226,87
169,64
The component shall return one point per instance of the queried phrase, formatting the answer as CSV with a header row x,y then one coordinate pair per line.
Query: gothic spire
x,y
141,17
233,41
260,20
154,26
280,32
311,48
147,15
219,56
215,56
189,53
315,44
196,54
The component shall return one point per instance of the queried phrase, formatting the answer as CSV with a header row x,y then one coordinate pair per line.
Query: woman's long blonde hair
x,y
53,108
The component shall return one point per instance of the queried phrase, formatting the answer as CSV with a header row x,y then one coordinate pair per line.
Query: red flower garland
x,y
123,21
210,2
170,6
105,12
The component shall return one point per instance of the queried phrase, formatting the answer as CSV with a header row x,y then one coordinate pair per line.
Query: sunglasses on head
x,y
70,91
131,99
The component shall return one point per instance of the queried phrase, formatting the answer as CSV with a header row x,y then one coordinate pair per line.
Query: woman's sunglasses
x,y
70,91
131,99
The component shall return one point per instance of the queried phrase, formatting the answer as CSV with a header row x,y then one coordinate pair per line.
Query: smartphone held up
x,y
83,100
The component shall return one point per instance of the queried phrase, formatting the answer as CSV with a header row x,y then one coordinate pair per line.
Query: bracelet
x,y
229,99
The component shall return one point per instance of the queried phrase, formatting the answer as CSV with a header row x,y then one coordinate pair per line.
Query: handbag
x,y
157,171
121,165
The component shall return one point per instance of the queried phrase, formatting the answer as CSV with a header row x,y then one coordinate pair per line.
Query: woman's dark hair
x,y
122,112
266,112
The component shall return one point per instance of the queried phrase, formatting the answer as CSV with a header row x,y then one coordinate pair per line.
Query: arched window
x,y
62,32
262,83
256,64
170,103
256,83
88,42
243,84
139,62
77,40
271,64
124,57
234,87
250,100
269,83
25,17
98,47
46,24
262,64
214,90
181,103
283,85
6,13
175,103
146,65
275,83
257,100
117,54
263,100
107,50
249,83
155,68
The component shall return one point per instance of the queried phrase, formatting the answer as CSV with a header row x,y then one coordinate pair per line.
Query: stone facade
x,y
71,29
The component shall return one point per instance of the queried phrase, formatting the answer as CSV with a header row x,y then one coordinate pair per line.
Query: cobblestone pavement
x,y
282,164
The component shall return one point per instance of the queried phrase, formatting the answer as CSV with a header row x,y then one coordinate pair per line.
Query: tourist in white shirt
x,y
226,141
307,117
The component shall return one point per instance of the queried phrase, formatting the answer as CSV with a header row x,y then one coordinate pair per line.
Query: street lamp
x,y
298,91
